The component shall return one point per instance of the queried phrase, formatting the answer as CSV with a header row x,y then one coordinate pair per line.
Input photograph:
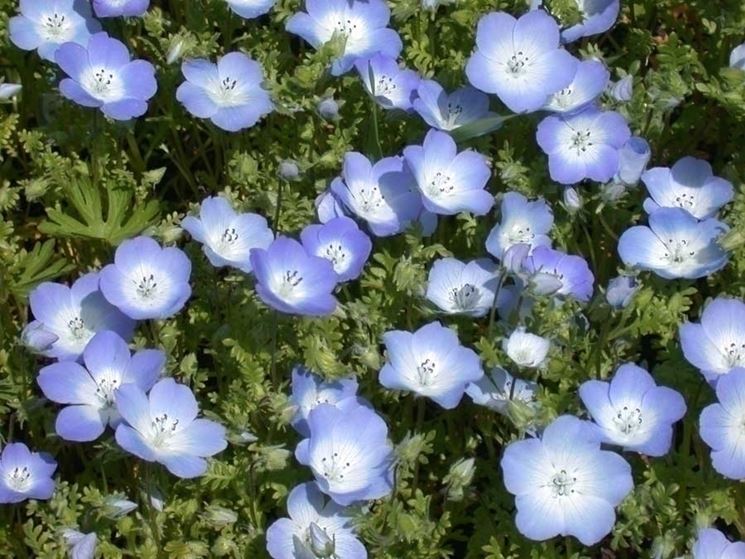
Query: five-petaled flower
x,y
25,474
463,288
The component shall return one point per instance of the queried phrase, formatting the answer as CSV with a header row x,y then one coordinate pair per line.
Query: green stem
x,y
273,365
278,208
375,129
421,403
493,310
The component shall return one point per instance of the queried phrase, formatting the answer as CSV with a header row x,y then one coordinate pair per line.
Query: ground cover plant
x,y
372,278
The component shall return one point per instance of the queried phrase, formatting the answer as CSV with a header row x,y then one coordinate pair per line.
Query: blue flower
x,y
45,25
583,145
228,237
737,57
552,272
147,280
250,9
712,544
391,86
674,245
449,111
349,452
290,280
498,388
632,411
310,391
25,474
622,90
463,288
229,93
115,8
36,338
716,345
522,222
598,16
315,528
362,23
449,182
633,159
328,206
68,317
520,60
621,290
164,428
81,546
588,84
430,362
722,425
384,195
340,242
564,484
690,184
526,349
90,390
102,75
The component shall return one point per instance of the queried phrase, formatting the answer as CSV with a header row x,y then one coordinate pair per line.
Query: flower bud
x,y
620,291
320,543
634,157
572,199
115,507
36,338
9,90
623,89
289,170
459,478
328,109
220,517
175,51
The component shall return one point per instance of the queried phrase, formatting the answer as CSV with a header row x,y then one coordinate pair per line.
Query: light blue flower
x,y
449,182
463,288
621,290
81,546
526,349
391,86
520,59
228,237
449,112
341,242
163,427
45,25
737,57
9,90
633,159
712,544
496,389
690,184
250,9
552,272
632,411
116,8
349,452
622,90
674,245
316,527
89,390
598,16
564,484
25,474
522,222
430,362
310,390
362,23
588,84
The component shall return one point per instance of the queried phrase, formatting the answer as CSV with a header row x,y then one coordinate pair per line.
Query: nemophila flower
x,y
674,245
102,75
391,86
349,453
116,8
430,362
9,90
163,427
633,158
597,17
147,280
522,222
449,111
328,206
583,145
25,474
572,199
495,390
552,272
690,184
116,506
589,82
383,195
328,109
716,345
289,170
340,242
45,25
737,57
712,544
310,390
316,527
721,425
621,290
228,93
292,281
89,389
36,338
80,545
227,236
68,317
520,59
449,182
631,411
526,349
361,23
463,288
564,484
250,9
622,90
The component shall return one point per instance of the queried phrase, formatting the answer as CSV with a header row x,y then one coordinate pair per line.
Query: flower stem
x,y
375,129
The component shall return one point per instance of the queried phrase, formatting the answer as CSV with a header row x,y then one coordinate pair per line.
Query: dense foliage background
x,y
73,185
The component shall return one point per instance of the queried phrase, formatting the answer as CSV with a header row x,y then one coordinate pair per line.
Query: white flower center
x,y
333,468
465,297
78,331
384,86
685,200
228,92
162,429
563,98
369,199
147,287
520,233
336,254
581,140
453,111
440,184
562,484
517,64
105,388
426,372
56,28
678,251
347,27
734,354
290,280
103,84
19,479
628,420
